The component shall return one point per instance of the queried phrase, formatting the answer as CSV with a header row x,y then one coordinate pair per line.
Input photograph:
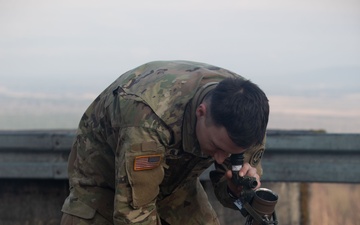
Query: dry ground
x,y
334,204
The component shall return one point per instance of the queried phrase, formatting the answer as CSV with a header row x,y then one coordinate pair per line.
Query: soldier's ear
x,y
201,110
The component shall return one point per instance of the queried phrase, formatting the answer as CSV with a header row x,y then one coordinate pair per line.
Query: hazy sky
x,y
56,56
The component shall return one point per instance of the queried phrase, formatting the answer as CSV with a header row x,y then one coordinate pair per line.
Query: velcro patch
x,y
146,162
256,157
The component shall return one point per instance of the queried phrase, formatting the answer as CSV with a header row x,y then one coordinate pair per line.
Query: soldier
x,y
142,144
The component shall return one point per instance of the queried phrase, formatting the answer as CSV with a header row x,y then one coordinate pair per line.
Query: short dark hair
x,y
242,108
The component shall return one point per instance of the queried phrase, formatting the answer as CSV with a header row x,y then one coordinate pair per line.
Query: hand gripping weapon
x,y
258,206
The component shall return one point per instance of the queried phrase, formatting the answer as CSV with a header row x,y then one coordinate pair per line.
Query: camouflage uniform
x,y
135,159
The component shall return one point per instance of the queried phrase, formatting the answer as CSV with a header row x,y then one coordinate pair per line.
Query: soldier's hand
x,y
246,170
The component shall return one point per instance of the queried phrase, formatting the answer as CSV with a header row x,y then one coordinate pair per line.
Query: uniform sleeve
x,y
139,172
219,183
252,155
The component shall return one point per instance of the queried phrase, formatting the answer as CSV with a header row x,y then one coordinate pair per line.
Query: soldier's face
x,y
213,140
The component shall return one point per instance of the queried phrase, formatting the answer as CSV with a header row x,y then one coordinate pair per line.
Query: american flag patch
x,y
146,162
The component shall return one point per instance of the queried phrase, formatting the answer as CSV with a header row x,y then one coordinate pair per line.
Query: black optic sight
x,y
237,160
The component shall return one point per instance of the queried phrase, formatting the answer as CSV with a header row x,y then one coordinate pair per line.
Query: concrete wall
x,y
316,176
31,202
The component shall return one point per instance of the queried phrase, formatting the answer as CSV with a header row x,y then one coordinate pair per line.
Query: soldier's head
x,y
236,112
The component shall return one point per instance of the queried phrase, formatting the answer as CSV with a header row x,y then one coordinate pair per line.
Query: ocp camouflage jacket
x,y
136,143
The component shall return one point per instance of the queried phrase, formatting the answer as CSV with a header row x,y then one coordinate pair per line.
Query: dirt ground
x,y
334,204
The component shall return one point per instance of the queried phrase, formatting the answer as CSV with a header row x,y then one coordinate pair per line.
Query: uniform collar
x,y
189,141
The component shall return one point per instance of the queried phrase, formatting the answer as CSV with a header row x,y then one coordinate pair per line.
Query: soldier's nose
x,y
219,157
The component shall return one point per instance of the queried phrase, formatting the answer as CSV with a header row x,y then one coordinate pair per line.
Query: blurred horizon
x,y
57,56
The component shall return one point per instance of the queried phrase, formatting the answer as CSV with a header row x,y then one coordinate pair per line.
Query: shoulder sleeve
x,y
254,155
219,183
139,171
